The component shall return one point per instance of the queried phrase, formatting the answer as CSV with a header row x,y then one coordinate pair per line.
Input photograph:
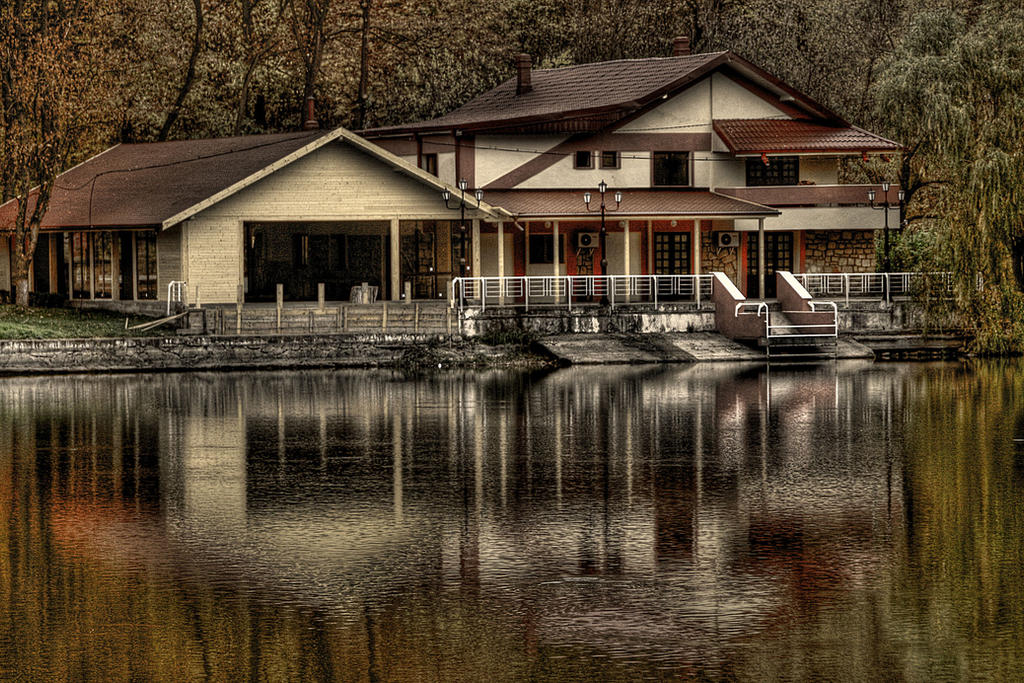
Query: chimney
x,y
310,123
681,46
524,66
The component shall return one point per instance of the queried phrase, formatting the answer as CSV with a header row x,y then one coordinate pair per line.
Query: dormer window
x,y
671,169
778,171
609,159
583,159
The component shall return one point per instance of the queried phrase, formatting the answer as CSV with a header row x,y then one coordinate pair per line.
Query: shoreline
x,y
22,357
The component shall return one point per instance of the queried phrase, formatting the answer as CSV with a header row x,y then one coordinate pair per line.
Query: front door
x,y
778,255
671,257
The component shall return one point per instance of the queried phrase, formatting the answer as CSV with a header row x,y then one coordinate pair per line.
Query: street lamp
x,y
887,265
446,195
602,187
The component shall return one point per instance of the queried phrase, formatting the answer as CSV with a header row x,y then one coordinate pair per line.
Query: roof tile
x,y
774,136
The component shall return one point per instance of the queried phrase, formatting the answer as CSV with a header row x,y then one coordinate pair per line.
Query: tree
x,y
51,94
953,92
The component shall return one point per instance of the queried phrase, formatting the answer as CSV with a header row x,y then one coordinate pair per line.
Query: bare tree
x,y
51,90
190,72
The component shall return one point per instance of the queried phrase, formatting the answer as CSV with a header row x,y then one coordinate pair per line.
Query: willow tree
x,y
51,75
953,93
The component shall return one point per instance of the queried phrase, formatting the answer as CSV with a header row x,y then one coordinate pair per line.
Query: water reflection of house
x,y
606,508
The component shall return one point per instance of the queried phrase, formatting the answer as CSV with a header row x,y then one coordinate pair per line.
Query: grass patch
x,y
67,323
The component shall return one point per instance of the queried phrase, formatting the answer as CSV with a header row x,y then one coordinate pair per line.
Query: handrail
x,y
176,293
569,290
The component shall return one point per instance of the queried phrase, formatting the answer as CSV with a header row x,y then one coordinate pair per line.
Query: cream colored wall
x,y
633,172
5,263
336,182
494,158
691,108
616,256
819,171
732,101
729,171
489,254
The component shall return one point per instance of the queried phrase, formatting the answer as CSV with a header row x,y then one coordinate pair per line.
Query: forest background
x,y
945,78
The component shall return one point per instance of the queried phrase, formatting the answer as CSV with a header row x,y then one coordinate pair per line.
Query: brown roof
x,y
563,203
776,136
163,183
588,97
145,184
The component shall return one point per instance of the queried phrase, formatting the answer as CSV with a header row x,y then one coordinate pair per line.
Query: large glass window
x,y
542,249
671,169
778,171
103,265
145,264
79,244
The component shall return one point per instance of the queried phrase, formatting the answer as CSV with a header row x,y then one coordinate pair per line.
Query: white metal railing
x,y
177,291
872,285
573,289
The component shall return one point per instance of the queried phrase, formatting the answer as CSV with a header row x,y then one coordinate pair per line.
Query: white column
x,y
625,256
760,257
696,246
396,276
501,256
556,251
476,248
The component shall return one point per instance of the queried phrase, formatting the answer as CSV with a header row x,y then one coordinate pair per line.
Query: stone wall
x,y
839,251
726,259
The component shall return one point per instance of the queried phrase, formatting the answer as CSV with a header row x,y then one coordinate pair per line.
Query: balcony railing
x,y
570,290
885,286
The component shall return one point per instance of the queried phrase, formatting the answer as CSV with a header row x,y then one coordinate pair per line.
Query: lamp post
x,y
446,195
887,264
602,187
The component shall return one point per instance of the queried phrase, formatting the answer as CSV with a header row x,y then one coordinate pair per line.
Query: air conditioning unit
x,y
586,240
727,239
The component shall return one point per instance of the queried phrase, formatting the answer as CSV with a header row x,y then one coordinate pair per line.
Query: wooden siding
x,y
214,258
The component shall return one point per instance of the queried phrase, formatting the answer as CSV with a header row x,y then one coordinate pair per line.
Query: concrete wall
x,y
494,157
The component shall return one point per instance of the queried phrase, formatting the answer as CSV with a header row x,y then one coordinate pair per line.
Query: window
x,y
582,159
609,159
145,264
80,288
542,249
778,171
671,169
103,265
430,163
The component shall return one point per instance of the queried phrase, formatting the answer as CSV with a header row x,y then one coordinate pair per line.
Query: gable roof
x,y
160,184
781,136
588,97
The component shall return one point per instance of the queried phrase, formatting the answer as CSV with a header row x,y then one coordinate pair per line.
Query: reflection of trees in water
x,y
697,516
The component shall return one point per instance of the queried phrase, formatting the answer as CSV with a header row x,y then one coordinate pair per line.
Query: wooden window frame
x,y
787,171
576,159
616,159
688,166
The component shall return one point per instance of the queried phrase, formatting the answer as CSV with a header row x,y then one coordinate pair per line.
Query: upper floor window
x,y
671,168
583,159
609,159
778,171
430,163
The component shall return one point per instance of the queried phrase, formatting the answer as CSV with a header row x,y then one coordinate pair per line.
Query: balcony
x,y
818,207
781,196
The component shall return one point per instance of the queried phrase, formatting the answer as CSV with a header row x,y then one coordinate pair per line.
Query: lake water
x,y
844,521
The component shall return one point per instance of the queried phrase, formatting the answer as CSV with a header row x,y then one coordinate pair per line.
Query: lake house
x,y
701,149
659,166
